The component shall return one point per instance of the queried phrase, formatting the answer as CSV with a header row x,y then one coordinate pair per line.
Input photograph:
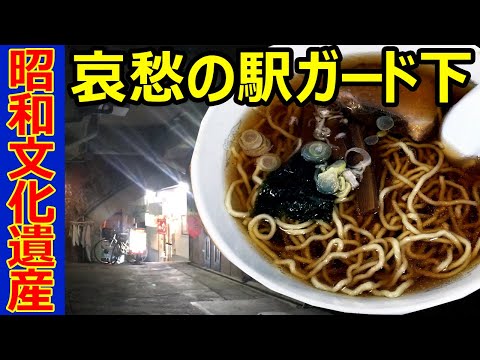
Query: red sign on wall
x,y
194,225
162,226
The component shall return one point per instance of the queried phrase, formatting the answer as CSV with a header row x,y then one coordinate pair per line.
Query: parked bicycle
x,y
114,248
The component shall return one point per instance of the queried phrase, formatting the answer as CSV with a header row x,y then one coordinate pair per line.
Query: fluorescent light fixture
x,y
150,196
184,186
138,241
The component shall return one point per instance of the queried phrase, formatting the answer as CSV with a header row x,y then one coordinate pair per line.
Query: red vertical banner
x,y
162,226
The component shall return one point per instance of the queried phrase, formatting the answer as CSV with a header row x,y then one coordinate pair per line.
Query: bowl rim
x,y
366,305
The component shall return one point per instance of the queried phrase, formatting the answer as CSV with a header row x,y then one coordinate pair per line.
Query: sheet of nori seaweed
x,y
291,192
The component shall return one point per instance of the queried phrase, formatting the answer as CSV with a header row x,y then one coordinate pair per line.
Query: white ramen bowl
x,y
209,188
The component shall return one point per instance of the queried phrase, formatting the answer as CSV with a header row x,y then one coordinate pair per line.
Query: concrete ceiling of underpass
x,y
155,137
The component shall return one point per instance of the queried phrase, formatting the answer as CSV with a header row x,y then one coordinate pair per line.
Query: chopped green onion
x,y
317,152
366,161
327,182
385,123
372,140
339,166
251,139
330,182
269,162
254,144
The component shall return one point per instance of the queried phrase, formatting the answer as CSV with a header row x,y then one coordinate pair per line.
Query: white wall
x,y
174,206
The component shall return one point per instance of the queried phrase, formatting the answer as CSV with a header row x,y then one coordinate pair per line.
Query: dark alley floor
x,y
178,288
167,289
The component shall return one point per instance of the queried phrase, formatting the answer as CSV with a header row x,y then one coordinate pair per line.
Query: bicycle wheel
x,y
144,255
102,251
116,253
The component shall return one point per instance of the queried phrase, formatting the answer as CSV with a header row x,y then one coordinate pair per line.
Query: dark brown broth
x,y
371,61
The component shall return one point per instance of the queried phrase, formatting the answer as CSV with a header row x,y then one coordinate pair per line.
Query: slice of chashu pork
x,y
416,116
